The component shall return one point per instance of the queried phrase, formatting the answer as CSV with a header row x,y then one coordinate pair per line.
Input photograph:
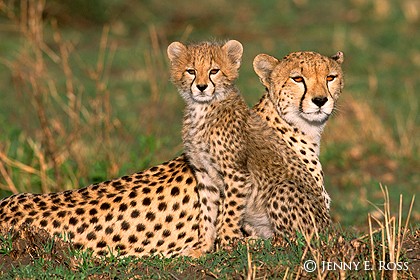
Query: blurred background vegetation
x,y
85,91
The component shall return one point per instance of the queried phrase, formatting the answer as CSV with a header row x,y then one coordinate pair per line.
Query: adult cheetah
x,y
302,90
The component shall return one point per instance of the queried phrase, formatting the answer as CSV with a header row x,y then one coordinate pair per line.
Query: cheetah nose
x,y
201,87
319,101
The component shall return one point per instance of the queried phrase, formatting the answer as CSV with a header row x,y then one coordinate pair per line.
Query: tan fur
x,y
151,212
156,211
291,194
214,134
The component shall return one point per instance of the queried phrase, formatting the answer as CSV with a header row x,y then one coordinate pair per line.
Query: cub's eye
x,y
297,79
214,71
191,71
331,78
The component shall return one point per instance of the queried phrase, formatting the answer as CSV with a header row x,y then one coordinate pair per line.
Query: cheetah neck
x,y
305,146
199,115
312,131
310,134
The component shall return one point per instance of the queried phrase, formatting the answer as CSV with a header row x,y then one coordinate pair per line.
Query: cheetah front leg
x,y
209,194
230,222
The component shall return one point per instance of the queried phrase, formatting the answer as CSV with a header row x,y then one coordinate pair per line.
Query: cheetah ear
x,y
264,64
234,51
339,57
175,50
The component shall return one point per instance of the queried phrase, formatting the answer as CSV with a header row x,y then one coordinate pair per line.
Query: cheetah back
x,y
150,212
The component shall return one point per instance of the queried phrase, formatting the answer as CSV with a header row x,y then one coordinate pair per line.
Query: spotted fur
x,y
214,134
302,90
151,212
157,211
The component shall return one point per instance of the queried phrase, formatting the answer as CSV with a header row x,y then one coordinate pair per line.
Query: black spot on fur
x,y
150,216
189,181
73,221
125,225
147,201
91,236
175,207
108,217
132,239
132,194
162,206
109,230
105,206
140,227
186,199
56,224
135,214
157,227
169,218
123,207
175,191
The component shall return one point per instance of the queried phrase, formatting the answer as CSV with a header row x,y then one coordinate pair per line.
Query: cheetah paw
x,y
193,252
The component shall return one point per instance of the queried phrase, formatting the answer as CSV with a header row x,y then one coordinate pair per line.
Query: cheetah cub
x,y
214,134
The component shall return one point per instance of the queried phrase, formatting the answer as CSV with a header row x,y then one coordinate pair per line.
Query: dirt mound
x,y
23,245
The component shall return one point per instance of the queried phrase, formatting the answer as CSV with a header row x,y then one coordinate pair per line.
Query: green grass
x,y
282,259
128,116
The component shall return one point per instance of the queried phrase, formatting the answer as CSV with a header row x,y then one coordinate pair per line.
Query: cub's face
x,y
304,85
204,72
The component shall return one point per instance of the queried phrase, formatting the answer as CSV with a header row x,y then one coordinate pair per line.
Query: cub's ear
x,y
339,57
175,49
234,51
264,64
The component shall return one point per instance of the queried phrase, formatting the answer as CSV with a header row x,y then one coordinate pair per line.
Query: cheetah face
x,y
311,97
203,72
203,82
304,86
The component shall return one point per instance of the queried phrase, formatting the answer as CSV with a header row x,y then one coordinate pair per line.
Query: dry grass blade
x,y
42,165
10,185
65,125
19,165
401,237
392,234
372,246
68,73
250,270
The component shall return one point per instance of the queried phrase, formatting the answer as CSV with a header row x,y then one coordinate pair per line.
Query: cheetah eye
x,y
297,79
191,71
214,71
331,78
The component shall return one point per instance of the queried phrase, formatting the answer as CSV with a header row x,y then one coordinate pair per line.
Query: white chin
x,y
202,98
319,117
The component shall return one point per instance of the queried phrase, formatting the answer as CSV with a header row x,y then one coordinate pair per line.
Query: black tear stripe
x,y
303,96
328,88
214,85
191,85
